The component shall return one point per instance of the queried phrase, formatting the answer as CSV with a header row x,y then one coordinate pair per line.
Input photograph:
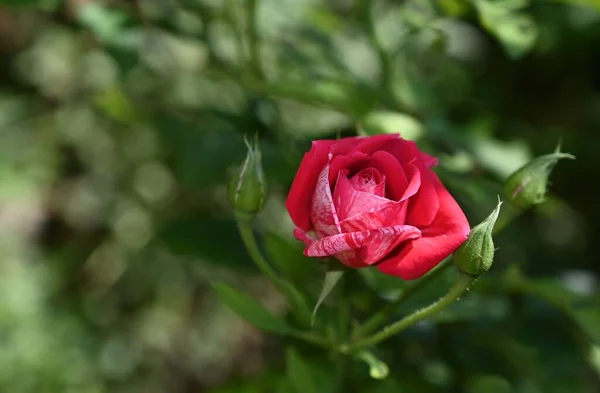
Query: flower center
x,y
369,180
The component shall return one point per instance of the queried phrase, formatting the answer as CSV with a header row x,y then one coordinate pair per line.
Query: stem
x,y
311,338
388,311
256,255
507,216
462,283
342,335
295,299
253,38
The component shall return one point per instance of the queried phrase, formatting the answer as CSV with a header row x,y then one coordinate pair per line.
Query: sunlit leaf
x,y
382,122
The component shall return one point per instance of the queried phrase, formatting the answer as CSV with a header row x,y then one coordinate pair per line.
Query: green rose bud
x,y
476,255
527,186
247,190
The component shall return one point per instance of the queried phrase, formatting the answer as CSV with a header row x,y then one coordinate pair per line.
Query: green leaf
x,y
386,286
287,257
333,95
301,373
247,308
489,384
214,240
388,122
332,277
516,31
588,317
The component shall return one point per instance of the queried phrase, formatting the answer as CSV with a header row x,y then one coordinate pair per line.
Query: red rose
x,y
374,201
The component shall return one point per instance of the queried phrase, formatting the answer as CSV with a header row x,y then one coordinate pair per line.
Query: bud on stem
x,y
527,186
247,189
476,255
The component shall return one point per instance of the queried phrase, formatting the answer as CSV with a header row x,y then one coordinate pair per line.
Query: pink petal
x,y
391,214
385,240
350,202
300,197
369,180
323,216
377,243
445,234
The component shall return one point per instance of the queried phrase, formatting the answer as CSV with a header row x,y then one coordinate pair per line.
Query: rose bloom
x,y
375,201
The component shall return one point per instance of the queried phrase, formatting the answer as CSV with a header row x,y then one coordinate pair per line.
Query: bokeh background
x,y
120,121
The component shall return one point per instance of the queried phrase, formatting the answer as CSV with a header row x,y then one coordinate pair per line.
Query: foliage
x,y
120,123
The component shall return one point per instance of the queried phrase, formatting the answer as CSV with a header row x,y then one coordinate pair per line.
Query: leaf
x,y
333,95
332,277
213,239
516,31
386,286
489,384
388,122
287,257
301,373
588,317
247,308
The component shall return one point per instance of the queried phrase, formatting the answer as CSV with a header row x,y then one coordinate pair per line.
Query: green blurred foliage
x,y
120,122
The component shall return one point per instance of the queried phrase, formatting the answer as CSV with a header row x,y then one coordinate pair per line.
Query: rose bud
x,y
527,186
246,189
374,201
476,255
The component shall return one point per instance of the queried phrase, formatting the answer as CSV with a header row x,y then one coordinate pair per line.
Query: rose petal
x,y
403,150
385,240
370,145
323,215
429,160
377,243
369,180
414,181
350,202
445,234
424,206
388,165
300,197
346,163
390,214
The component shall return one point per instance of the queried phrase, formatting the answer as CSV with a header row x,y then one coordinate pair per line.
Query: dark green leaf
x,y
302,373
247,308
213,239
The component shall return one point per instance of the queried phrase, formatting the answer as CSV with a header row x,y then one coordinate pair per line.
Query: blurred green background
x,y
120,121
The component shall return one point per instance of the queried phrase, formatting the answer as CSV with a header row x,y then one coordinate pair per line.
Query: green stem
x,y
256,255
253,38
462,283
388,311
507,216
312,339
295,299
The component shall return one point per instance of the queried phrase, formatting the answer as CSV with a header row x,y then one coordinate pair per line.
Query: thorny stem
x,y
388,311
462,284
298,306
